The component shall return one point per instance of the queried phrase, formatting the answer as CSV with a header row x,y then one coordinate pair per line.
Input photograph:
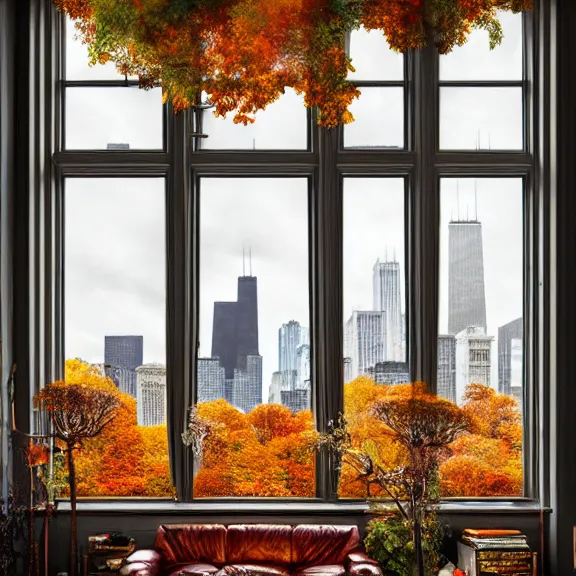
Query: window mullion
x,y
182,289
423,222
327,301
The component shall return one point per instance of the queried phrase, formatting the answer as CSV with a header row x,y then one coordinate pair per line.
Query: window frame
x,y
183,162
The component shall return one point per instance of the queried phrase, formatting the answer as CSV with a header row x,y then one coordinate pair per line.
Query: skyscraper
x,y
446,379
151,395
247,384
510,355
473,359
466,296
211,379
364,341
386,283
235,344
122,355
290,337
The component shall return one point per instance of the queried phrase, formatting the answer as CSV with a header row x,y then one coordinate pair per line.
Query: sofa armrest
x,y
142,563
360,564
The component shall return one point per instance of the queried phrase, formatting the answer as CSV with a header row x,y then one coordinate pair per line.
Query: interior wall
x,y
142,527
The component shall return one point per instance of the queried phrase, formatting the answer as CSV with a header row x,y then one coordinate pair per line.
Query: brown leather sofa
x,y
253,550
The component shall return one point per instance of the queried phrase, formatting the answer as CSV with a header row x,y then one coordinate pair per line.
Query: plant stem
x,y
73,526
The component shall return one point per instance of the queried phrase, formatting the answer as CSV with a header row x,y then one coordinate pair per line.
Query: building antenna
x,y
250,259
394,253
476,200
243,261
489,147
386,254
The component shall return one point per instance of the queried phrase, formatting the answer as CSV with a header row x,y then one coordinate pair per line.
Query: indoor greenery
x,y
243,54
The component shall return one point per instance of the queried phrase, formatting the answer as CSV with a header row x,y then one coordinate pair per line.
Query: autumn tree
x,y
78,412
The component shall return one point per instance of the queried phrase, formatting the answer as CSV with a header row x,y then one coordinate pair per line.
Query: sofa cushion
x,y
253,570
268,543
146,556
138,569
194,569
189,543
322,570
314,544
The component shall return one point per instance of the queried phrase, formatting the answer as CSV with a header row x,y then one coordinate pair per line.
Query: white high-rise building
x,y
211,377
151,394
473,359
303,365
290,337
364,342
386,285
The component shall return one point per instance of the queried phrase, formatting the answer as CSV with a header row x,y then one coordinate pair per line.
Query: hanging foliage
x,y
244,53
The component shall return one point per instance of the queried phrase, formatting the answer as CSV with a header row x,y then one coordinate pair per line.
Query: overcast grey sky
x,y
115,247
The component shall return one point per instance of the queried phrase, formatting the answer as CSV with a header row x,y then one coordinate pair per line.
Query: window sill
x,y
254,508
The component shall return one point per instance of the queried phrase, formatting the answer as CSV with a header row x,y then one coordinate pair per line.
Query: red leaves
x,y
245,53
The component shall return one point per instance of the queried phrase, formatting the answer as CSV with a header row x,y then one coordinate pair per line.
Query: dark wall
x,y
142,527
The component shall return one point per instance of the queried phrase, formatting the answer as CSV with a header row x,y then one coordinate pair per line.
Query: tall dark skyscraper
x,y
122,355
466,295
235,343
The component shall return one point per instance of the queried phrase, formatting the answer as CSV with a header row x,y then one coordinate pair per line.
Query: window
x,y
115,311
283,273
253,371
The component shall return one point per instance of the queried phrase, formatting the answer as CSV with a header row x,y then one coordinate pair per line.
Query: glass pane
x,y
378,119
475,60
114,118
372,58
481,119
282,126
480,355
254,356
115,303
374,307
77,59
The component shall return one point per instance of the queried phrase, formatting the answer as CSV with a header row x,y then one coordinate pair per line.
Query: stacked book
x,y
492,552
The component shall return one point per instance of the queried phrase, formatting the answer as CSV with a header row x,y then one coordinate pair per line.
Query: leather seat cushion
x,y
260,543
315,545
190,543
253,569
194,569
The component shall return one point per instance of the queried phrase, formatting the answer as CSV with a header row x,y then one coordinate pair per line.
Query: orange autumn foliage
x,y
267,452
485,462
125,459
264,453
